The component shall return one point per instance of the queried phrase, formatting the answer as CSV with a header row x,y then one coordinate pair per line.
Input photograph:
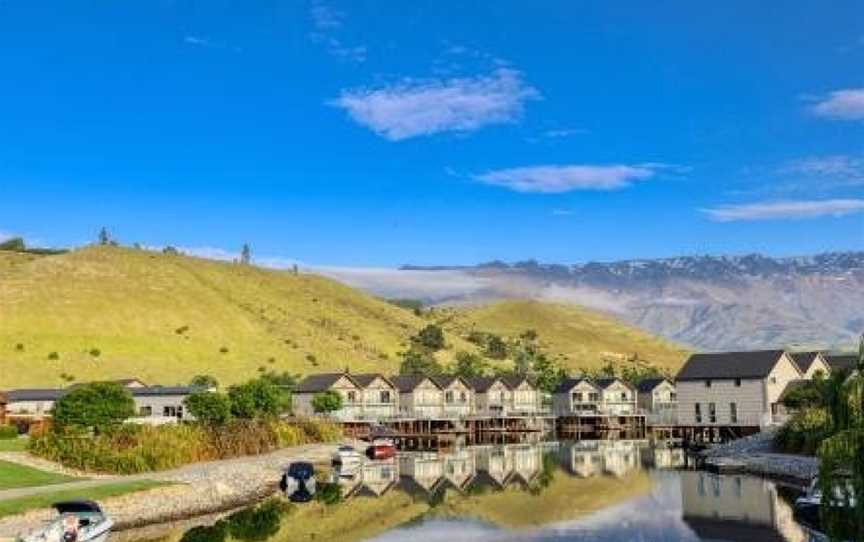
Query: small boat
x,y
381,449
298,482
76,521
808,506
346,458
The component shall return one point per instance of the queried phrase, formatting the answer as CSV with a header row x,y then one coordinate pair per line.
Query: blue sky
x,y
376,133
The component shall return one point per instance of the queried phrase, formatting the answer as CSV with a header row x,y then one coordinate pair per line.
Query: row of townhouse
x,y
375,396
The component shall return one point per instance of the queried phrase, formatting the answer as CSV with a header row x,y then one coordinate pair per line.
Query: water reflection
x,y
594,491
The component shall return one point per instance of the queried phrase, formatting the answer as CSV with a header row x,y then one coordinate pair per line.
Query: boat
x,y
381,448
298,481
346,458
76,521
808,507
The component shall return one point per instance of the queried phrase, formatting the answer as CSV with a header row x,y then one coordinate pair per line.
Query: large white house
x,y
739,389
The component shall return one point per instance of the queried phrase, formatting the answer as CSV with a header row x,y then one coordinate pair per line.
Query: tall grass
x,y
135,449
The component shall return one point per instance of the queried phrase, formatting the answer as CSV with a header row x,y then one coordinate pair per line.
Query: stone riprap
x,y
757,456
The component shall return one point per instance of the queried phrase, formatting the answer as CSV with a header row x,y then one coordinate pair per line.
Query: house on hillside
x,y
492,396
419,396
342,383
811,364
617,398
458,396
380,397
739,389
658,399
576,397
524,397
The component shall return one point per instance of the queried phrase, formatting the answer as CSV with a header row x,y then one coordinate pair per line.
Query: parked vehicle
x,y
346,458
298,482
76,521
381,448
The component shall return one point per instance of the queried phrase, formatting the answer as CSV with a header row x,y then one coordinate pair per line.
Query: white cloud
x,y
834,170
326,18
414,108
781,210
845,104
565,132
557,179
196,40
328,23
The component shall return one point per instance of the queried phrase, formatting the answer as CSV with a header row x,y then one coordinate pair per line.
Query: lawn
x,y
45,500
14,476
13,445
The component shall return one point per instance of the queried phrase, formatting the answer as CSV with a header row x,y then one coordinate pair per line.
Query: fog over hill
x,y
708,302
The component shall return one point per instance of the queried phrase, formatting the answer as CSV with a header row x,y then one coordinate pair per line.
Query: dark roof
x,y
647,385
407,383
165,390
445,380
804,359
365,379
481,384
728,365
604,383
514,381
321,382
842,362
569,383
35,395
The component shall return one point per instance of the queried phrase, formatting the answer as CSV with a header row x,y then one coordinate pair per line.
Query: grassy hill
x,y
585,339
109,312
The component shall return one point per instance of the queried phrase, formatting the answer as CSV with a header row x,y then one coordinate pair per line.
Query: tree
x,y
469,365
255,399
285,383
246,254
208,407
419,362
15,244
204,381
496,348
104,236
170,250
431,337
547,373
326,402
99,406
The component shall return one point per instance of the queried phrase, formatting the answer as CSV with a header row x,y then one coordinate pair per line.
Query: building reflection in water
x,y
736,508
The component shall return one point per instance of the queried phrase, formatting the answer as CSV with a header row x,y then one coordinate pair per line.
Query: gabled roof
x,y
321,382
729,365
481,384
164,390
842,362
647,385
604,383
444,381
34,394
569,383
514,381
805,360
365,379
408,383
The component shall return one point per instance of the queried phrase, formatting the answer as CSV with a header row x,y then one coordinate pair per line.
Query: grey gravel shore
x,y
196,490
756,456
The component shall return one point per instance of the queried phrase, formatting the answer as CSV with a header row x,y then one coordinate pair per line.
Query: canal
x,y
605,491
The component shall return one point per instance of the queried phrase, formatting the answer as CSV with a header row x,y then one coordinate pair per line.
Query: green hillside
x,y
585,339
165,318
109,312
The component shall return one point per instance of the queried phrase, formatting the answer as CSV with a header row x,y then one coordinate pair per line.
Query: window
x,y
673,396
733,412
773,379
623,396
448,397
712,413
463,397
707,383
577,397
698,413
385,396
352,397
169,411
501,396
737,382
594,397
145,411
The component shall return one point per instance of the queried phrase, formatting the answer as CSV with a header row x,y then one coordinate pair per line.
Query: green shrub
x,y
204,381
8,432
53,356
98,406
95,352
255,399
431,337
208,407
804,431
19,347
326,402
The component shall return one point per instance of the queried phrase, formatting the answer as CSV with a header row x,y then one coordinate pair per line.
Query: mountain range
x,y
705,302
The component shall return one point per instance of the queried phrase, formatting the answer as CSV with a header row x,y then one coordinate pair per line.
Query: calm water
x,y
601,491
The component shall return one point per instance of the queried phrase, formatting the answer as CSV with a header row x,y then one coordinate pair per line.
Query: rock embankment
x,y
756,455
194,490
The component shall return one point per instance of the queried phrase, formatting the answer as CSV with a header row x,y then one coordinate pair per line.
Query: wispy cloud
x,y
553,179
327,23
845,104
833,170
413,108
201,41
785,210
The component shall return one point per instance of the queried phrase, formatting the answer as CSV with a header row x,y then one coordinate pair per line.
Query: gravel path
x,y
200,488
758,457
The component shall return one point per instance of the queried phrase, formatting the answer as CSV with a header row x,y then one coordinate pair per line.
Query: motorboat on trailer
x,y
298,481
76,521
381,448
346,458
